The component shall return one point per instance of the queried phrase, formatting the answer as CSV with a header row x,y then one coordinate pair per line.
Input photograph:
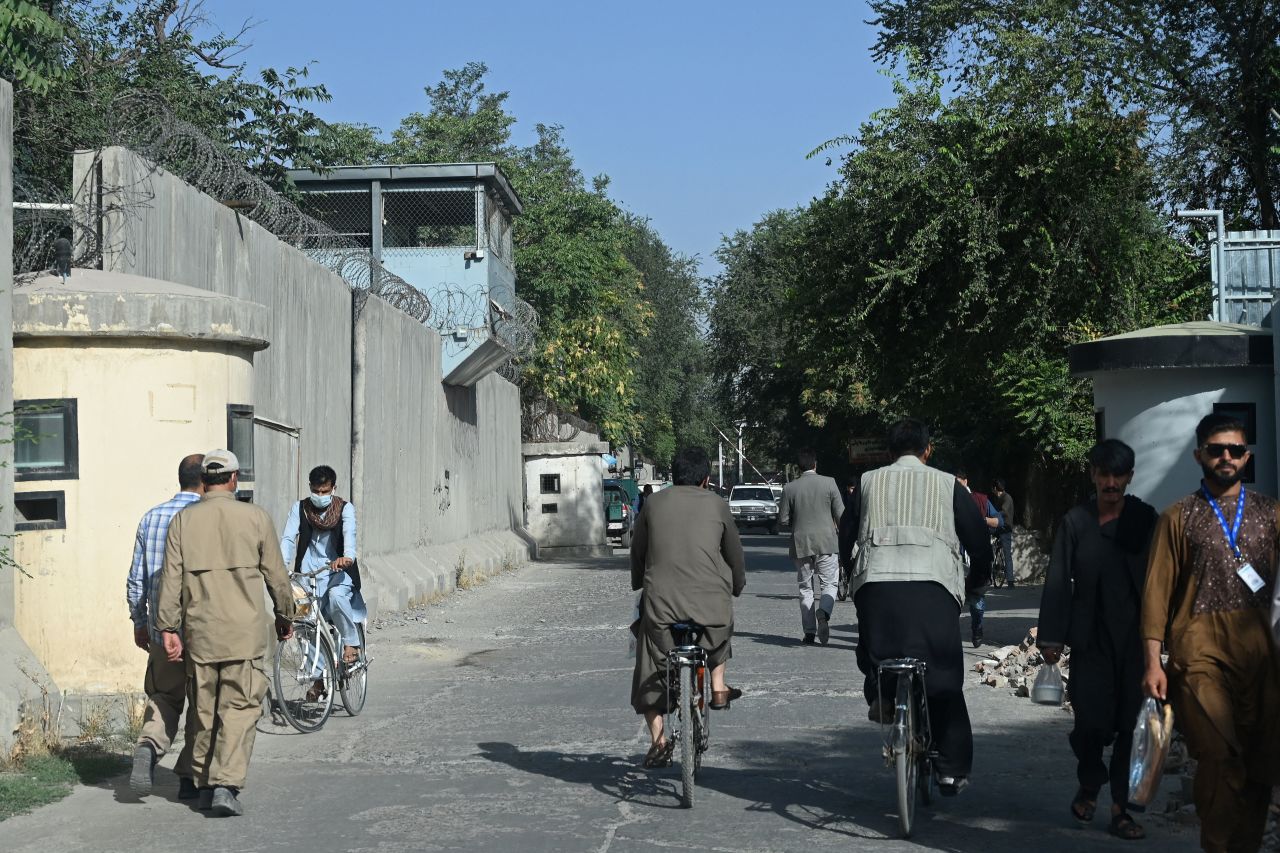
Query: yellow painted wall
x,y
141,407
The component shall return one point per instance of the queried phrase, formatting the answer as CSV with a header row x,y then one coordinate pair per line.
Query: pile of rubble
x,y
1015,667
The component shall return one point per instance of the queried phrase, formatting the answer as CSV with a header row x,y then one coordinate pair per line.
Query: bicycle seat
x,y
686,633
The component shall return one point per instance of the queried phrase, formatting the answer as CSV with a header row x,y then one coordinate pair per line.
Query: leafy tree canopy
x,y
1207,75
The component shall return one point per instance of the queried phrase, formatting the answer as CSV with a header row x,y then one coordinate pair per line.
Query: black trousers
x,y
920,619
1106,692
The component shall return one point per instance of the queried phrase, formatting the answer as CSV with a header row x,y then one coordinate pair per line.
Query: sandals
x,y
1124,826
1084,805
316,692
720,699
350,655
659,755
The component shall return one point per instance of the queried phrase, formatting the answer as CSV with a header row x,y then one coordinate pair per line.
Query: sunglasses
x,y
1215,450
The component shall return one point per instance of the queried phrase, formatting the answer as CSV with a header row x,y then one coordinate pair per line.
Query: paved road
x,y
499,721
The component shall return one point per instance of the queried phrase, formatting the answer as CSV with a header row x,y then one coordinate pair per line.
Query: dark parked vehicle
x,y
618,517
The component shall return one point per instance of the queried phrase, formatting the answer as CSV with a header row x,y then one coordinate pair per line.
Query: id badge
x,y
1252,579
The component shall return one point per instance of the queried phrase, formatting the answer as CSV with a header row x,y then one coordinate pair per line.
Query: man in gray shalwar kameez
x,y
687,557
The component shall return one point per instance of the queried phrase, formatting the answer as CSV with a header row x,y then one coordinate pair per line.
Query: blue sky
x,y
700,112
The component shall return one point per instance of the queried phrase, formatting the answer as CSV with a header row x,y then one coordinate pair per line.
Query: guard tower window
x,y
424,219
240,438
550,484
45,445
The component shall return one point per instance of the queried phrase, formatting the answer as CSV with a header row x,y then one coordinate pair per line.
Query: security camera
x,y
473,255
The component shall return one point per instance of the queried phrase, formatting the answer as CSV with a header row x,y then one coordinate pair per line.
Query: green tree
x,y
1208,74
29,41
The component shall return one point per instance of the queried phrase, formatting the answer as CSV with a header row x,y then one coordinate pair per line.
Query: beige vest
x,y
907,527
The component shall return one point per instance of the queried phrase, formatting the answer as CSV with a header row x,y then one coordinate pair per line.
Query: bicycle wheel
x,y
924,746
688,743
842,587
301,661
906,765
354,683
997,565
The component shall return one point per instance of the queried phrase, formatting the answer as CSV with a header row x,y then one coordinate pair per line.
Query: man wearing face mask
x,y
1208,592
320,535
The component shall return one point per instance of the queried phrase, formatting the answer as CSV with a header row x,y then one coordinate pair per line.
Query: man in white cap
x,y
218,554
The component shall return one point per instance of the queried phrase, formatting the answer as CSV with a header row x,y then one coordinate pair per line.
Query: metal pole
x,y
741,427
1219,259
720,480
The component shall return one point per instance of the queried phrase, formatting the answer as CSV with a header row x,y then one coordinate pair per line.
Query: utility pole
x,y
720,480
741,426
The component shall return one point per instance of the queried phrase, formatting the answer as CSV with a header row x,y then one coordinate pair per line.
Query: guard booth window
x,y
240,438
45,446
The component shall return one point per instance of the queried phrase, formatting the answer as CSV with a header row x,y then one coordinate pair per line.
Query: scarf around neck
x,y
327,519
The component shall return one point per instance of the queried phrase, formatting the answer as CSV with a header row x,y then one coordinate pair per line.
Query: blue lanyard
x,y
1232,533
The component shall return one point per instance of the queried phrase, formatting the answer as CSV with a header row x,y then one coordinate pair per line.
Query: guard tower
x,y
445,228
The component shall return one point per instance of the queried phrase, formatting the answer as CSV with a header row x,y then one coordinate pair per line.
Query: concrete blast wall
x,y
436,470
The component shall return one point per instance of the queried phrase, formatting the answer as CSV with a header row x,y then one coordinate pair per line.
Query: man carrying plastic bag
x,y
1092,600
1208,597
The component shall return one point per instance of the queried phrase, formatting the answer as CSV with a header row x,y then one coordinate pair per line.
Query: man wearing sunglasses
x,y
1208,592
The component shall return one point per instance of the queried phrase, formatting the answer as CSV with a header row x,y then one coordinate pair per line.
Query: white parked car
x,y
755,505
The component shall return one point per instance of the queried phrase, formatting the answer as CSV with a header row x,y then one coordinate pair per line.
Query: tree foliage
x,y
1207,74
28,45
947,270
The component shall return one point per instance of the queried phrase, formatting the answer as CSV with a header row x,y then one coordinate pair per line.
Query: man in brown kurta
x,y
218,554
687,557
1208,590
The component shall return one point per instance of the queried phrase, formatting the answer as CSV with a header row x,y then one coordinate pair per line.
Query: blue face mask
x,y
321,501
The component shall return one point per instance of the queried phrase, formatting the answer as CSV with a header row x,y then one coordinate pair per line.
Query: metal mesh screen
x,y
499,232
428,218
347,212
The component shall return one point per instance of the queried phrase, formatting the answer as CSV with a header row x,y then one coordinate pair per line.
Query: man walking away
x,y
165,682
1004,503
908,584
812,505
976,598
1209,586
218,554
1092,601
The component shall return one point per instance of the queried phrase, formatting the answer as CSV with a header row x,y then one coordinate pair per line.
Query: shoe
x,y
187,789
808,640
225,803
949,786
1124,826
977,639
878,713
205,801
720,699
143,776
824,626
659,755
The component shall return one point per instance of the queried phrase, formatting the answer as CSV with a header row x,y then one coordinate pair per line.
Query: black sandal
x,y
659,754
1124,826
721,699
1084,805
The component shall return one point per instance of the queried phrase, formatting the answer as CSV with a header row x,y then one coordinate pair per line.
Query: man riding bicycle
x,y
321,535
908,584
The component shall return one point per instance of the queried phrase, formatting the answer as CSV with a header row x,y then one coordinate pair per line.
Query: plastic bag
x,y
1048,688
1151,737
633,632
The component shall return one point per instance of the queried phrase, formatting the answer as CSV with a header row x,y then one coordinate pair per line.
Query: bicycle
x,y
688,719
846,575
307,667
908,746
998,565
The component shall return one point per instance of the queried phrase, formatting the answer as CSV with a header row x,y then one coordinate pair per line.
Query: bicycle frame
x,y
896,739
694,657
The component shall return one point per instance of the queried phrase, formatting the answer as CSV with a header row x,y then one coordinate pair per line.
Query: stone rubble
x,y
1015,667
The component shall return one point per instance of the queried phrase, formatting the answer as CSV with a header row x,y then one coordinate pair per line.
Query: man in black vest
x,y
321,535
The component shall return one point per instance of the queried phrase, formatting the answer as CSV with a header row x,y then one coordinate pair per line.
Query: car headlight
x,y
736,510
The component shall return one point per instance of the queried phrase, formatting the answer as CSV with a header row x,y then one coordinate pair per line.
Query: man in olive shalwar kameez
x,y
687,557
219,554
1208,593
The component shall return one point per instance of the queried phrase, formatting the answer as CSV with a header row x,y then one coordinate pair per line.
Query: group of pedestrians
x,y
201,562
1181,606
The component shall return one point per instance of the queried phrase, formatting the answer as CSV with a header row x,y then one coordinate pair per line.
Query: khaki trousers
x,y
166,687
227,700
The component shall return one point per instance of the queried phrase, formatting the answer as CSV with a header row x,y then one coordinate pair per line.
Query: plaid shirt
x,y
143,588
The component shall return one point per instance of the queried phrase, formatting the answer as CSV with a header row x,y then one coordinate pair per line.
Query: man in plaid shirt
x,y
166,681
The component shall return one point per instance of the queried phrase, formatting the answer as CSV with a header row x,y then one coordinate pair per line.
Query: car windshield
x,y
761,494
615,496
